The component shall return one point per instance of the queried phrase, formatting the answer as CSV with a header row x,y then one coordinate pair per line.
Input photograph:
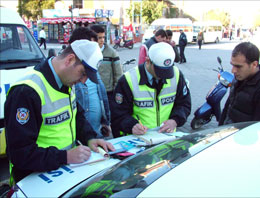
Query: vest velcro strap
x,y
69,146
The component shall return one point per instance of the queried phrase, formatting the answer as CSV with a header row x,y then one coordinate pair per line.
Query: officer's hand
x,y
139,129
94,143
168,126
106,130
78,154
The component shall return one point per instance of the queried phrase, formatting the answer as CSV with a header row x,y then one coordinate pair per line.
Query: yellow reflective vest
x,y
58,112
152,110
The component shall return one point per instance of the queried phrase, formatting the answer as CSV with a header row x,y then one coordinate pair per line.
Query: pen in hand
x,y
79,143
140,121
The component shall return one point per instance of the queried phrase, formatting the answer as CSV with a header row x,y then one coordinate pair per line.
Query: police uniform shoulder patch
x,y
22,115
119,98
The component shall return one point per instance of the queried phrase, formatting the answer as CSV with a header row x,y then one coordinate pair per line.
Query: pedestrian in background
x,y
110,68
117,32
160,36
155,91
93,96
172,43
200,38
182,44
43,38
243,103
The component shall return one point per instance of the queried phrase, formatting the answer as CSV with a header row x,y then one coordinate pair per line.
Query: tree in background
x,y
221,16
151,10
137,12
33,8
257,20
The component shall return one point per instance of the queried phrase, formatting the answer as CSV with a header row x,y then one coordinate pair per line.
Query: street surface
x,y
198,71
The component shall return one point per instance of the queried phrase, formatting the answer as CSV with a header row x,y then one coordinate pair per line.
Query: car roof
x,y
9,16
227,168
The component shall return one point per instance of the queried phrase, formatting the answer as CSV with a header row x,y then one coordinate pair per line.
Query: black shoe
x,y
184,61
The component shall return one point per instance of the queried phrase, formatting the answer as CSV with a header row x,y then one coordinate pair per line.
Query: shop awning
x,y
66,19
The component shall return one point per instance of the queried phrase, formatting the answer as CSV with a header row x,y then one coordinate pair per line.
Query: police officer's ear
x,y
147,60
70,59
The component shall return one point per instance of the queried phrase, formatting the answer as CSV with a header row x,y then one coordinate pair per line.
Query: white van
x,y
19,52
212,31
173,24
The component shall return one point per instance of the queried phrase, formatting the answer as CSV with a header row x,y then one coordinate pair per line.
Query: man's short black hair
x,y
68,50
161,32
97,28
249,50
169,32
82,33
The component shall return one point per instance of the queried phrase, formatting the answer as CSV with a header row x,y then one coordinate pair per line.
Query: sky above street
x,y
245,10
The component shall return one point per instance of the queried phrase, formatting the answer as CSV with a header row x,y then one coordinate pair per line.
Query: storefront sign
x,y
103,13
52,13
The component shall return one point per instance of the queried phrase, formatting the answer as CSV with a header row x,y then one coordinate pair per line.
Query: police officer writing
x,y
154,93
43,120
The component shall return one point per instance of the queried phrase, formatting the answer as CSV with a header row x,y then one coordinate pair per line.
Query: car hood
x,y
139,173
228,168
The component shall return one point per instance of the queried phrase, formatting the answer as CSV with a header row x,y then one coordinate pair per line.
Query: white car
x,y
218,162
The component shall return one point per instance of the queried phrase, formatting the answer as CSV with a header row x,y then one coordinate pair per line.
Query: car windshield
x,y
130,177
18,48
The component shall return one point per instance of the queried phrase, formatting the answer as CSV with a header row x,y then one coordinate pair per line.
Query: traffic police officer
x,y
41,116
155,92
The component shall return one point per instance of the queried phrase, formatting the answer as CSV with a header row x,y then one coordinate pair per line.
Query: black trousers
x,y
43,41
200,43
182,56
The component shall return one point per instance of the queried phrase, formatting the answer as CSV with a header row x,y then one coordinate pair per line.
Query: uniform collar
x,y
45,69
146,78
57,78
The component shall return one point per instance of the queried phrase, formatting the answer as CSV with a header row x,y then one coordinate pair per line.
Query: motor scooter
x,y
126,43
211,107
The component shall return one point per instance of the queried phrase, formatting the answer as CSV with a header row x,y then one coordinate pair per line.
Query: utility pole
x,y
71,11
133,12
141,10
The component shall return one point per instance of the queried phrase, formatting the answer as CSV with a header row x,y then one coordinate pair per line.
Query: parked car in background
x,y
19,52
217,162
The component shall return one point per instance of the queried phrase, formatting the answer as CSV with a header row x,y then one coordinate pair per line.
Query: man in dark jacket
x,y
182,44
243,103
160,36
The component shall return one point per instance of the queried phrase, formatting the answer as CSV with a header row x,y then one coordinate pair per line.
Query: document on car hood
x,y
94,157
152,136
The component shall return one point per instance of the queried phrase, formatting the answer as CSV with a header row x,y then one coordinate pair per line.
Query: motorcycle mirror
x,y
219,61
63,47
51,53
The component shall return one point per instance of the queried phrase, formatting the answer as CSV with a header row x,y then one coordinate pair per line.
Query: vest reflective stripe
x,y
58,112
37,81
151,111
